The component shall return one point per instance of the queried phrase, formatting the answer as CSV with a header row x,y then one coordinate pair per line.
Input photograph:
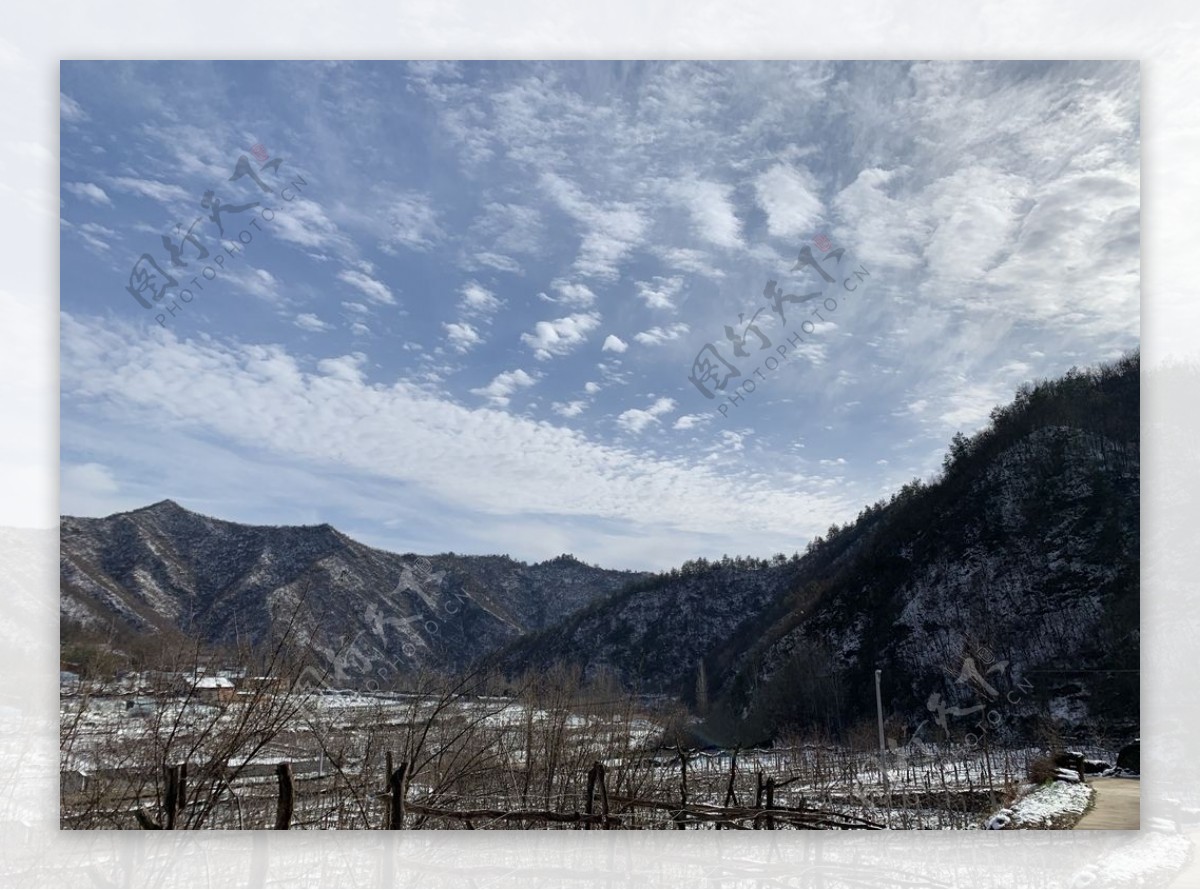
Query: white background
x,y
1164,36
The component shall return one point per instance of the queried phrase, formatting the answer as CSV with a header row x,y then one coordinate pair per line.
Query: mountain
x,y
164,572
653,634
1007,589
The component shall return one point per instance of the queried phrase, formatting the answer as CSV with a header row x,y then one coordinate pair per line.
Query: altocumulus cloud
x,y
484,460
560,336
637,419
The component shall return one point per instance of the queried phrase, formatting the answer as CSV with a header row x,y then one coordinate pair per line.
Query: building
x,y
214,690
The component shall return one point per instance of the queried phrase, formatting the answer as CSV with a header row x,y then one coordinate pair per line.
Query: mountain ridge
x,y
164,569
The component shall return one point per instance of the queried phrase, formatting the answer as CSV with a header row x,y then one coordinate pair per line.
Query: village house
x,y
214,690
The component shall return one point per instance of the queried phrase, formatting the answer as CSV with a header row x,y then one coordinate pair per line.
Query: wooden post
x,y
730,794
398,788
591,794
679,818
145,821
758,798
387,778
171,796
182,787
770,804
283,812
603,794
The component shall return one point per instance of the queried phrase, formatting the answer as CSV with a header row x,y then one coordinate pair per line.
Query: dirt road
x,y
1117,805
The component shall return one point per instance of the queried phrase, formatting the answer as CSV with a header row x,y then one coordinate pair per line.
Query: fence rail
x,y
396,811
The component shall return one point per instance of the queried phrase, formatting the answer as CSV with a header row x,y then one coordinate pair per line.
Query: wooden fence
x,y
601,810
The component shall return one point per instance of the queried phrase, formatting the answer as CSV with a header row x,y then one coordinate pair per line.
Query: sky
x,y
456,306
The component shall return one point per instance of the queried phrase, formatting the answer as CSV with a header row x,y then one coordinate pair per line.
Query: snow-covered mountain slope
x,y
164,569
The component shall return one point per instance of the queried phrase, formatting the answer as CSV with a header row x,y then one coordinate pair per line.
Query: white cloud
x,y
968,406
497,261
637,419
660,292
412,223
730,442
591,387
310,322
978,213
94,234
790,198
345,367
255,282
889,230
504,385
689,259
89,191
570,293
477,299
713,216
658,335
491,464
689,421
373,289
610,231
69,109
510,228
560,336
462,336
150,188
613,343
304,223
569,409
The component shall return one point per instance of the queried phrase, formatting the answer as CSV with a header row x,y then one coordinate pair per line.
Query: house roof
x,y
214,683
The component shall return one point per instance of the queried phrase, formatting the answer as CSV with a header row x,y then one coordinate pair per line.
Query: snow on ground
x,y
1054,805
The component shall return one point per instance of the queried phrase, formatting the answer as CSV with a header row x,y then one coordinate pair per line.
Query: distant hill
x,y
164,571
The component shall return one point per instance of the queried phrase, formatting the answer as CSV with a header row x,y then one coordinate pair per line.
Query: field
x,y
451,756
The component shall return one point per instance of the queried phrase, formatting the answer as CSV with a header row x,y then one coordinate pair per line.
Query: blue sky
x,y
469,323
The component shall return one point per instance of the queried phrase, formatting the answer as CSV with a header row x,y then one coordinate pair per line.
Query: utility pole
x,y
882,745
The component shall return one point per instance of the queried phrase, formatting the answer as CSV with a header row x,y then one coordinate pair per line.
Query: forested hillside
x,y
1021,556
